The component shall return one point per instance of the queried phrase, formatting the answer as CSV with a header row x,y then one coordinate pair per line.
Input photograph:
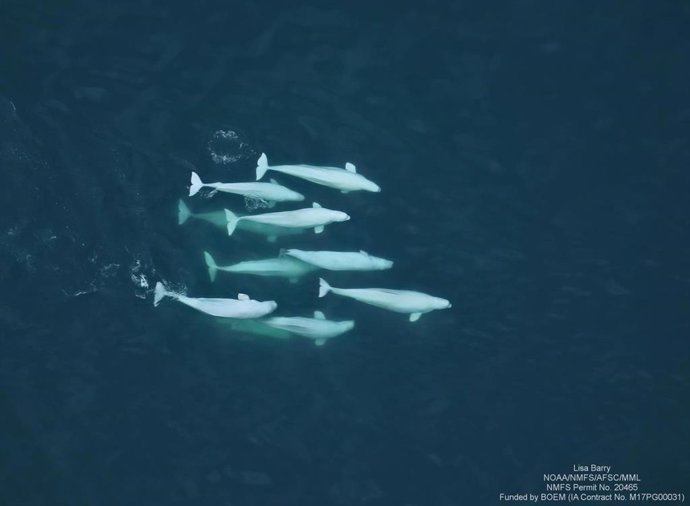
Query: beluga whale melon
x,y
400,301
270,192
242,307
315,217
345,180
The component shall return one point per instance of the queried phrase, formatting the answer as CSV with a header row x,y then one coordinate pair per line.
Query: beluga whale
x,y
216,218
315,217
283,266
317,328
269,192
400,301
219,219
242,307
345,180
340,260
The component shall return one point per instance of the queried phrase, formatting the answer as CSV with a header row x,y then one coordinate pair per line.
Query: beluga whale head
x,y
370,186
340,216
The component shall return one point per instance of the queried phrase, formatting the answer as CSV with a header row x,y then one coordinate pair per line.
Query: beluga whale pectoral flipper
x,y
270,192
242,307
345,180
401,301
315,217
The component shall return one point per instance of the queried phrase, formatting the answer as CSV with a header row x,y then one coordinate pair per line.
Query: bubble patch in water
x,y
225,146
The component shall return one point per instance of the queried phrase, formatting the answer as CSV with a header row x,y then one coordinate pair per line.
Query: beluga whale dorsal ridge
x,y
400,301
270,192
242,307
340,260
315,217
345,180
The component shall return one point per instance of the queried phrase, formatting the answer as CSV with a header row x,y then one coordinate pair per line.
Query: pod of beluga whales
x,y
249,315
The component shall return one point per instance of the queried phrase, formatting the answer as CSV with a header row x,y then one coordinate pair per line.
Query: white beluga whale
x,y
270,192
345,180
400,301
315,217
219,219
283,266
318,328
340,260
242,307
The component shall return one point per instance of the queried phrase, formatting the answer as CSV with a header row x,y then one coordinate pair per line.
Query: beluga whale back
x,y
400,301
340,260
345,180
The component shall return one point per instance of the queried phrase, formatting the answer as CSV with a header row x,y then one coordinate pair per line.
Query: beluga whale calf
x,y
318,328
242,307
283,266
400,301
345,180
340,260
269,192
315,217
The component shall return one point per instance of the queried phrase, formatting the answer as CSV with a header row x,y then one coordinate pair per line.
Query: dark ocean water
x,y
535,165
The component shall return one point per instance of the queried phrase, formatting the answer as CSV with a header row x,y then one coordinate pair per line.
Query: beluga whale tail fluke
x,y
324,287
261,166
233,219
159,293
196,184
211,265
183,212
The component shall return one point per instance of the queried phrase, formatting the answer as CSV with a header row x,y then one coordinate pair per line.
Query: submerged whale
x,y
271,192
286,267
401,301
315,217
345,180
340,260
216,218
318,328
242,307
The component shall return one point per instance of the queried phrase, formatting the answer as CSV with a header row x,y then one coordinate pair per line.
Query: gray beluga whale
x,y
315,217
270,192
282,266
340,260
318,328
216,218
400,301
345,180
242,307
219,219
